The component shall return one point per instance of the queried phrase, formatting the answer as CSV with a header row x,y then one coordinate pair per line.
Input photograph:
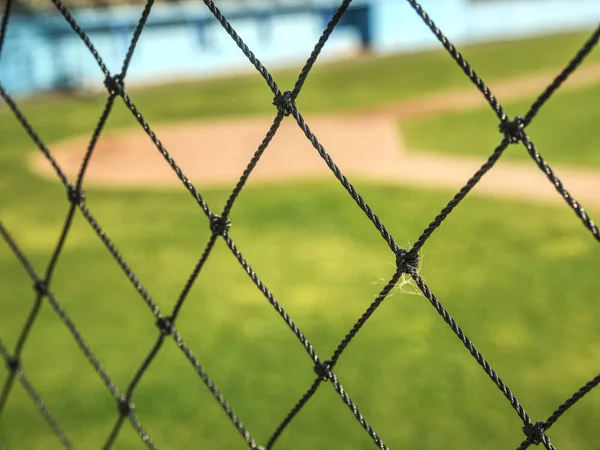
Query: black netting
x,y
513,131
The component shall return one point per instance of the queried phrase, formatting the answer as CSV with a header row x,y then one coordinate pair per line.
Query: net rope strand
x,y
513,131
36,398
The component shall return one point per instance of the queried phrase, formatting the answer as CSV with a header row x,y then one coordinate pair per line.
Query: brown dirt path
x,y
366,145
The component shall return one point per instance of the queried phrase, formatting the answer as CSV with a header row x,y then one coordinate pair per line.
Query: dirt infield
x,y
367,145
215,153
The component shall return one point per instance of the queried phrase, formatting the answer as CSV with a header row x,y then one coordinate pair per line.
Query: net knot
x,y
284,103
535,433
406,261
513,130
40,287
165,324
124,406
219,225
75,196
323,370
114,84
13,363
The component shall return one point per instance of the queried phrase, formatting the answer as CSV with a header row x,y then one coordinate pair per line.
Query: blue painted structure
x,y
184,40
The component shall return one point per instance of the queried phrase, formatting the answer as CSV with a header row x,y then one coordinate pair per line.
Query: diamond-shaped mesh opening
x,y
225,342
62,376
86,258
218,215
179,416
23,425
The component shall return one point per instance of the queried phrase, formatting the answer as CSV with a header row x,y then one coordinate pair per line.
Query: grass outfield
x,y
565,130
522,289
519,278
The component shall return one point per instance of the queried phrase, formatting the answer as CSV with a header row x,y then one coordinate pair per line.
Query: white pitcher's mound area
x,y
215,154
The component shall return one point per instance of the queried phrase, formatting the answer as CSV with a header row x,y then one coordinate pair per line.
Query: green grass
x,y
564,131
522,289
519,278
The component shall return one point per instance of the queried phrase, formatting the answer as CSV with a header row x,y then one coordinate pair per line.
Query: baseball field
x,y
513,265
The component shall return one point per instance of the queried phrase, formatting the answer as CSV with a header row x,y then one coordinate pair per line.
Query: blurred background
x,y
518,275
182,39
